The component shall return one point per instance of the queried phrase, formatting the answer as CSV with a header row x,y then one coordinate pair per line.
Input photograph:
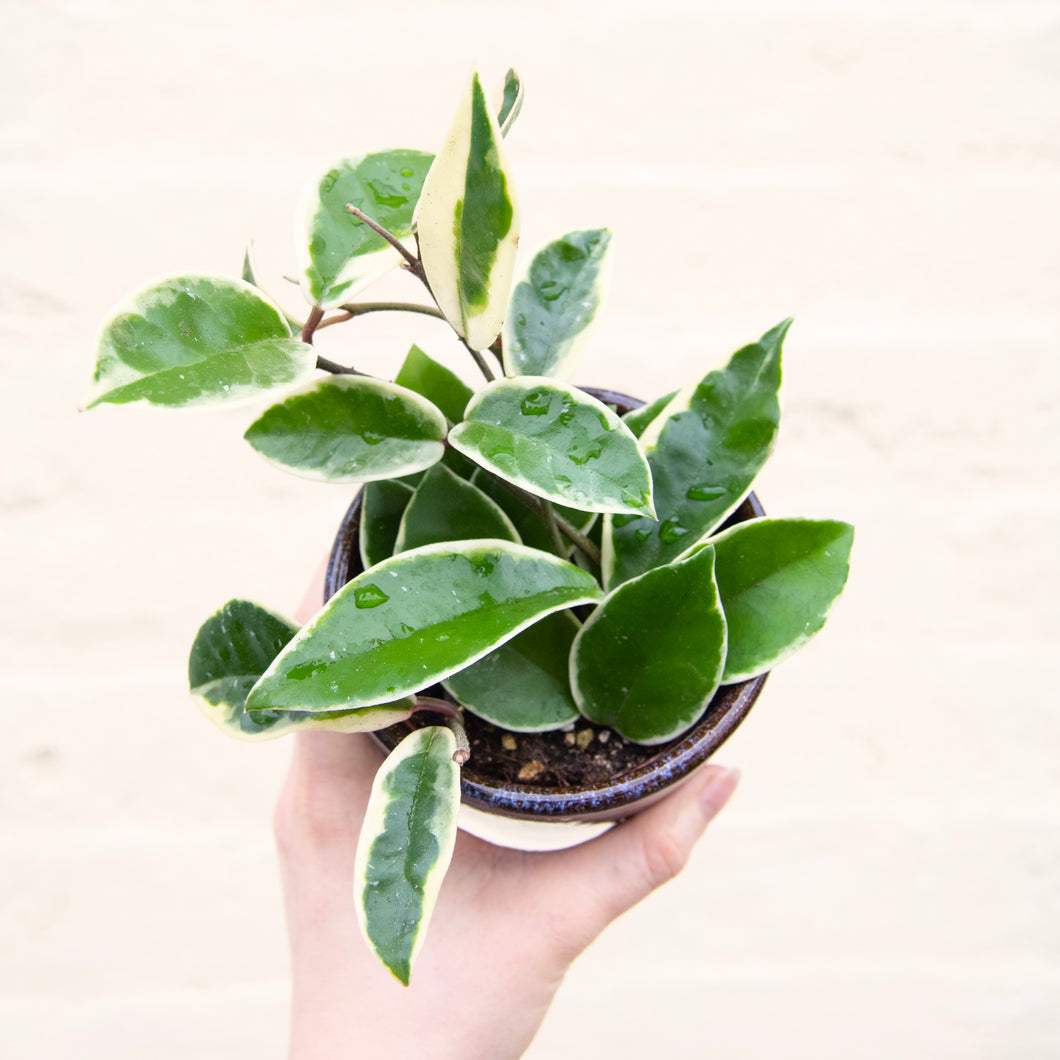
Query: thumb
x,y
634,858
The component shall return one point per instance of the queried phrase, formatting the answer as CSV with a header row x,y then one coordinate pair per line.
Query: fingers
x,y
611,874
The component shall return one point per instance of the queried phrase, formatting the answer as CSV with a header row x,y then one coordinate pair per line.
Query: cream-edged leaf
x,y
467,223
196,340
406,844
350,429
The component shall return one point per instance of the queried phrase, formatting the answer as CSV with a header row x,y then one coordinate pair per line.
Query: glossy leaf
x,y
778,579
415,619
639,419
383,503
467,223
196,340
232,650
524,684
447,508
551,311
555,442
511,103
704,452
650,658
350,429
436,383
340,254
406,844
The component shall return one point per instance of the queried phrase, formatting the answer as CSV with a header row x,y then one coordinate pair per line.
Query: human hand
x,y
505,930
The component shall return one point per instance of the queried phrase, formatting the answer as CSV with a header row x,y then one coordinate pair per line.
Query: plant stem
x,y
548,513
411,260
480,361
335,369
578,539
357,309
316,315
454,719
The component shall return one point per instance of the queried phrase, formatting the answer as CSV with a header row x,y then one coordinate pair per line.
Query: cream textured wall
x,y
887,881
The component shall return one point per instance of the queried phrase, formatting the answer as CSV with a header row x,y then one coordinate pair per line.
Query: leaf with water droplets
x,y
232,650
340,254
650,658
415,619
405,845
704,449
467,223
551,312
555,442
196,340
350,429
779,579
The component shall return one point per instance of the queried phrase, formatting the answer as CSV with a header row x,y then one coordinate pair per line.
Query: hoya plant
x,y
535,553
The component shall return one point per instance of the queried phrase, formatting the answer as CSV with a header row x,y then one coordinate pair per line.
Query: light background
x,y
886,883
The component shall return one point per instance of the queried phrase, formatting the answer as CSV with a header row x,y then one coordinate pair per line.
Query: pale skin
x,y
507,926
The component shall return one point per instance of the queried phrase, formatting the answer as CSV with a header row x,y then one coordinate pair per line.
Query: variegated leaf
x,y
350,429
195,340
406,844
551,311
447,508
778,579
467,223
704,450
523,685
339,254
415,619
650,658
555,442
512,101
232,650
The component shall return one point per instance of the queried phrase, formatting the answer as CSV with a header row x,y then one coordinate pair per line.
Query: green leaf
x,y
557,443
512,103
383,503
340,254
406,844
467,223
249,275
639,419
436,383
196,340
650,657
528,521
415,619
232,650
778,580
551,312
350,429
523,685
704,451
446,508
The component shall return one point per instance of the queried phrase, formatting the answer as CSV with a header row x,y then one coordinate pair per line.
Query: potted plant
x,y
520,558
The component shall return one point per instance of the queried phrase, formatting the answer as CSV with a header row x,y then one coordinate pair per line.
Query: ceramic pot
x,y
662,766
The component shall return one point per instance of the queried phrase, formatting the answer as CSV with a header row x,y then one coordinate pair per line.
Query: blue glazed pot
x,y
663,766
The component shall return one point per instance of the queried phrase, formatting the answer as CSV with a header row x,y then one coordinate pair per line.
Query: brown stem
x,y
579,539
454,719
480,361
356,309
316,315
410,259
336,369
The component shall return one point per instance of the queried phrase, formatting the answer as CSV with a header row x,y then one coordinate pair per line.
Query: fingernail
x,y
719,789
